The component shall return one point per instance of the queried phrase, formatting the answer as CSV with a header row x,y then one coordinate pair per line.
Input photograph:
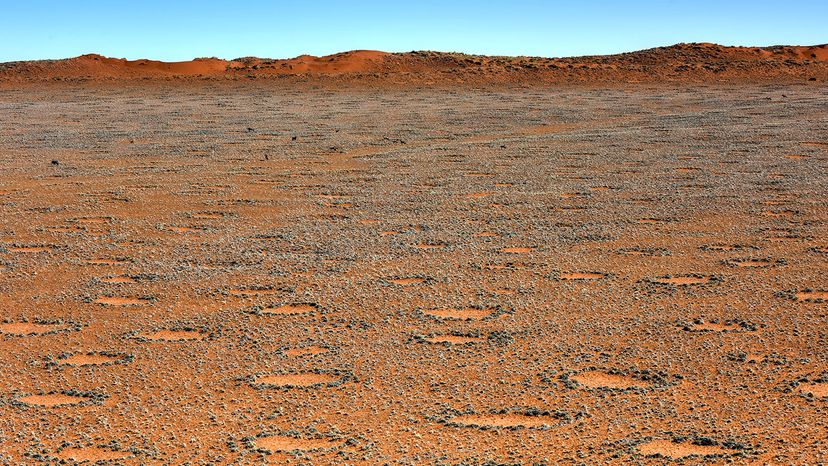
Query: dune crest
x,y
681,62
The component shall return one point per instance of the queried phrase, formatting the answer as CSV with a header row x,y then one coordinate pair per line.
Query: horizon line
x,y
413,51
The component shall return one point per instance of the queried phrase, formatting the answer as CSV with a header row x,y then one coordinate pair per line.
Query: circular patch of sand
x,y
471,313
811,295
598,379
290,309
299,379
173,335
119,279
677,450
517,250
407,281
121,301
284,443
29,328
91,359
306,351
453,339
817,390
91,455
53,400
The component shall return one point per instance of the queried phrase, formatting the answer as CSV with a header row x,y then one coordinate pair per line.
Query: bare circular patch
x,y
298,379
91,455
107,261
676,450
92,359
291,309
121,301
311,350
429,246
173,335
581,275
517,250
816,390
599,379
681,280
285,443
53,400
811,295
31,328
30,249
407,281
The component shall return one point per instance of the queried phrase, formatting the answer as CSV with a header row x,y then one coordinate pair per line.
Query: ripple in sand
x,y
291,309
598,379
453,339
299,379
29,328
468,313
53,400
486,234
817,390
306,351
284,443
675,450
91,455
503,420
173,335
121,301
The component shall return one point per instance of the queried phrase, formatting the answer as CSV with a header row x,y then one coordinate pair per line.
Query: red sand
x,y
681,62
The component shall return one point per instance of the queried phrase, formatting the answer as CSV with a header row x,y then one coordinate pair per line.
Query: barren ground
x,y
250,274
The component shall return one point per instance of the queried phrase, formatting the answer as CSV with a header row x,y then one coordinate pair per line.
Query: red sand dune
x,y
681,62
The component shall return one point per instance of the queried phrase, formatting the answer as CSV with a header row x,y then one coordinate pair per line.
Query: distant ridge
x,y
699,62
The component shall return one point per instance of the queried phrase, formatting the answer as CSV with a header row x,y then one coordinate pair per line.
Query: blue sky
x,y
181,30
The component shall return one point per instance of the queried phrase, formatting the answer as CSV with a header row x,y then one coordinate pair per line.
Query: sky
x,y
174,30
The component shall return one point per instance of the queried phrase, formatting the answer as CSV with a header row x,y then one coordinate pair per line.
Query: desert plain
x,y
317,271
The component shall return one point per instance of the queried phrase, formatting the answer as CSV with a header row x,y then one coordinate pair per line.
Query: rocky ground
x,y
230,273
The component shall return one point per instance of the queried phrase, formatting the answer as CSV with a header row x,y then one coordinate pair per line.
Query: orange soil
x,y
680,62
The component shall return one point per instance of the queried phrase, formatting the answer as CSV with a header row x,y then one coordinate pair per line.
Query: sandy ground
x,y
244,274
